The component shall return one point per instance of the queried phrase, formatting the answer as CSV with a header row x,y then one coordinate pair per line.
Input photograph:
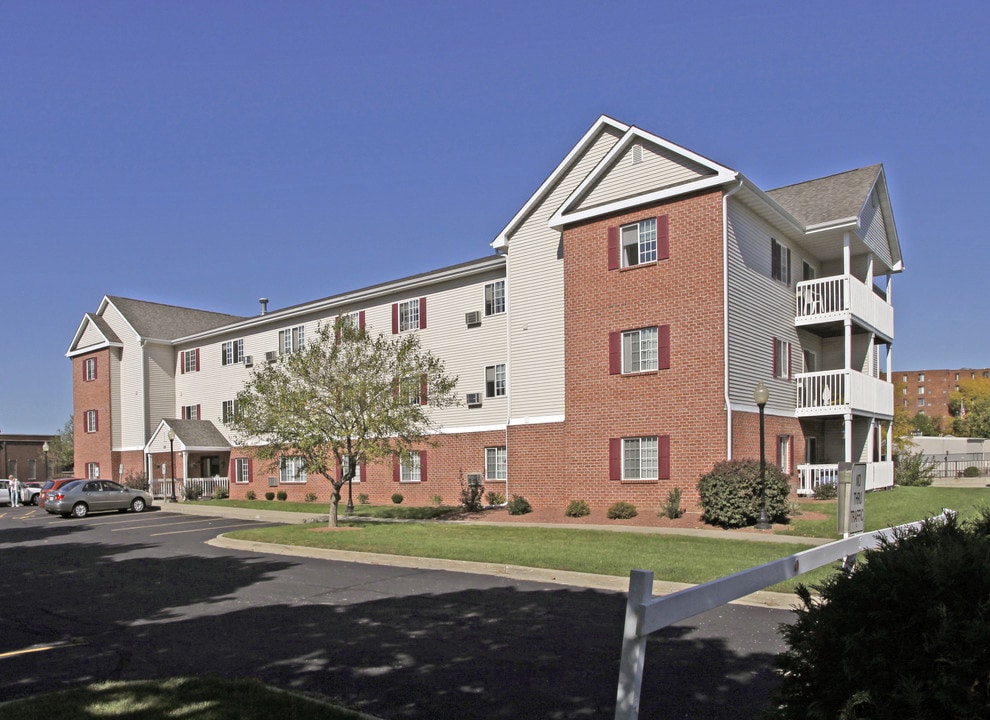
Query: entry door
x,y
211,466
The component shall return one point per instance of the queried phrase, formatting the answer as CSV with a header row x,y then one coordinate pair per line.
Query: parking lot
x,y
128,596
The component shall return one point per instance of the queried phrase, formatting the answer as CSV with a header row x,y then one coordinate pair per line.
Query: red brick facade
x,y
93,395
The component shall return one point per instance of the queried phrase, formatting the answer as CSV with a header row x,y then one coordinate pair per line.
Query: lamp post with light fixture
x,y
171,452
761,395
45,449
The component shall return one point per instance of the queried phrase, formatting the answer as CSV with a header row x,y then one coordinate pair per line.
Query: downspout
x,y
725,316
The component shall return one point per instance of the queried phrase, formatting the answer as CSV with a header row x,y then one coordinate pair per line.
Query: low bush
x,y
471,497
269,496
914,469
904,636
577,508
519,505
731,494
622,511
310,497
192,490
397,498
971,471
282,495
495,498
249,495
826,491
436,500
363,499
221,493
672,508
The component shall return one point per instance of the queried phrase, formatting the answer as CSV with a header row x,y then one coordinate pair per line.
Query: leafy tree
x,y
903,425
345,398
61,448
930,425
970,407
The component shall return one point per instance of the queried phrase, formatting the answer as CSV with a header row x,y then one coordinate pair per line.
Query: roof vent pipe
x,y
264,305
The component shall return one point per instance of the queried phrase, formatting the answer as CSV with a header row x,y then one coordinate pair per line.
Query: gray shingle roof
x,y
836,197
168,322
197,433
104,327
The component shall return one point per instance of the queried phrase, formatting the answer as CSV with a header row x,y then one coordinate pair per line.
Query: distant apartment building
x,y
608,350
929,391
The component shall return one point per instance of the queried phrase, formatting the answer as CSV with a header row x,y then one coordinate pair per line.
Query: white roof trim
x,y
563,215
73,351
501,242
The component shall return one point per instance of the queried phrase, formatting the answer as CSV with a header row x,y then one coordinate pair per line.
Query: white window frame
x,y
242,470
410,468
89,369
496,463
638,243
783,255
640,350
345,463
784,452
93,471
495,381
291,339
91,421
233,352
495,298
409,315
189,361
228,411
640,458
291,471
783,359
190,412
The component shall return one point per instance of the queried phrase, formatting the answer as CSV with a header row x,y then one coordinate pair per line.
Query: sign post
x,y
852,498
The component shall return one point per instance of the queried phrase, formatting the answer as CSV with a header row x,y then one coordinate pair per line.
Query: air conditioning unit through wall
x,y
271,356
248,361
474,399
472,318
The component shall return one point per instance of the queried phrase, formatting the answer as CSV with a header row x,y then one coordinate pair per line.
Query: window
x,y
242,470
292,470
808,271
190,412
784,453
495,380
233,352
190,360
411,467
413,390
91,421
921,377
229,411
781,358
89,369
639,458
495,297
32,469
921,402
346,464
292,340
496,463
93,470
639,350
639,243
780,262
921,389
409,315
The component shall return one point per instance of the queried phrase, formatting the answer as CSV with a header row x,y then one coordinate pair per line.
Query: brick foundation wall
x,y
746,440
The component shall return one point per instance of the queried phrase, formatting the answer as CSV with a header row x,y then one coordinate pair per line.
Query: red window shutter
x,y
362,467
663,237
96,368
614,353
96,420
340,468
422,313
422,465
199,412
197,359
395,318
396,469
774,259
663,347
776,360
182,363
423,400
615,458
250,473
663,457
361,320
789,360
613,248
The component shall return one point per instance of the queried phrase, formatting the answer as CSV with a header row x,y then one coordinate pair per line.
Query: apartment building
x,y
608,350
929,391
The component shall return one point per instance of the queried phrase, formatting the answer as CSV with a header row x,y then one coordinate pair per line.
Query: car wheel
x,y
80,510
138,505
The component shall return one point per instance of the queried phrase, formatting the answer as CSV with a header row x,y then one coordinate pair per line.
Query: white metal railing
x,y
646,614
810,476
823,296
162,487
826,299
833,392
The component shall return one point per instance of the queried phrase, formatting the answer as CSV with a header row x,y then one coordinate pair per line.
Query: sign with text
x,y
852,498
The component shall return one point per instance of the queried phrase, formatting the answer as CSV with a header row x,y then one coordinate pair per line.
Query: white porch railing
x,y
836,392
878,475
832,298
646,614
162,488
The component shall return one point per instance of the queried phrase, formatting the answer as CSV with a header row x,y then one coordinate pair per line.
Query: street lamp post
x,y
171,452
761,395
45,448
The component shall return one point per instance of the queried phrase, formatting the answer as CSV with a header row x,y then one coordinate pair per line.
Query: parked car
x,y
30,492
51,485
5,492
78,499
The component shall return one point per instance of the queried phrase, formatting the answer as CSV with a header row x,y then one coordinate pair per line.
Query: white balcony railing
x,y
162,487
835,392
832,298
878,475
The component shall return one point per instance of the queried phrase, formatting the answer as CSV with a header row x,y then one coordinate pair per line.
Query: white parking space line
x,y
215,529
166,523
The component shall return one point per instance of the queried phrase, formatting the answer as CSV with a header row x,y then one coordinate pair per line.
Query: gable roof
x,y
829,199
103,329
154,321
189,435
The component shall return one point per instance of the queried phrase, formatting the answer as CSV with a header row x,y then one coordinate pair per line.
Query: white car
x,y
5,492
29,493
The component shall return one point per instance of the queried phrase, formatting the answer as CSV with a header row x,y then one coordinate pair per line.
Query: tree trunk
x,y
334,502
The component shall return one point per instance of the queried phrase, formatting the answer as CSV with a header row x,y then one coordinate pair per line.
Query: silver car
x,y
80,498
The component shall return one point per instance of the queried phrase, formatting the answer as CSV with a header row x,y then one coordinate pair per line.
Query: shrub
x,y
220,493
249,495
397,498
622,511
436,500
914,469
971,471
519,505
269,496
904,636
192,490
282,495
310,497
471,497
730,494
826,491
672,508
495,498
138,481
577,508
363,498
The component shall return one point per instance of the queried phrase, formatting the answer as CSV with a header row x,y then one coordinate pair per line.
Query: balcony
x,y
878,475
831,300
838,392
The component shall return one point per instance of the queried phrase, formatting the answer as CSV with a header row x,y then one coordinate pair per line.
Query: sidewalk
x,y
514,572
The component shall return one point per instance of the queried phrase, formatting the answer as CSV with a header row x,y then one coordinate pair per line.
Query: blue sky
x,y
207,154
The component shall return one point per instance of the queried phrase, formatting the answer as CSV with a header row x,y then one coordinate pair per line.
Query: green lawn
x,y
185,698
